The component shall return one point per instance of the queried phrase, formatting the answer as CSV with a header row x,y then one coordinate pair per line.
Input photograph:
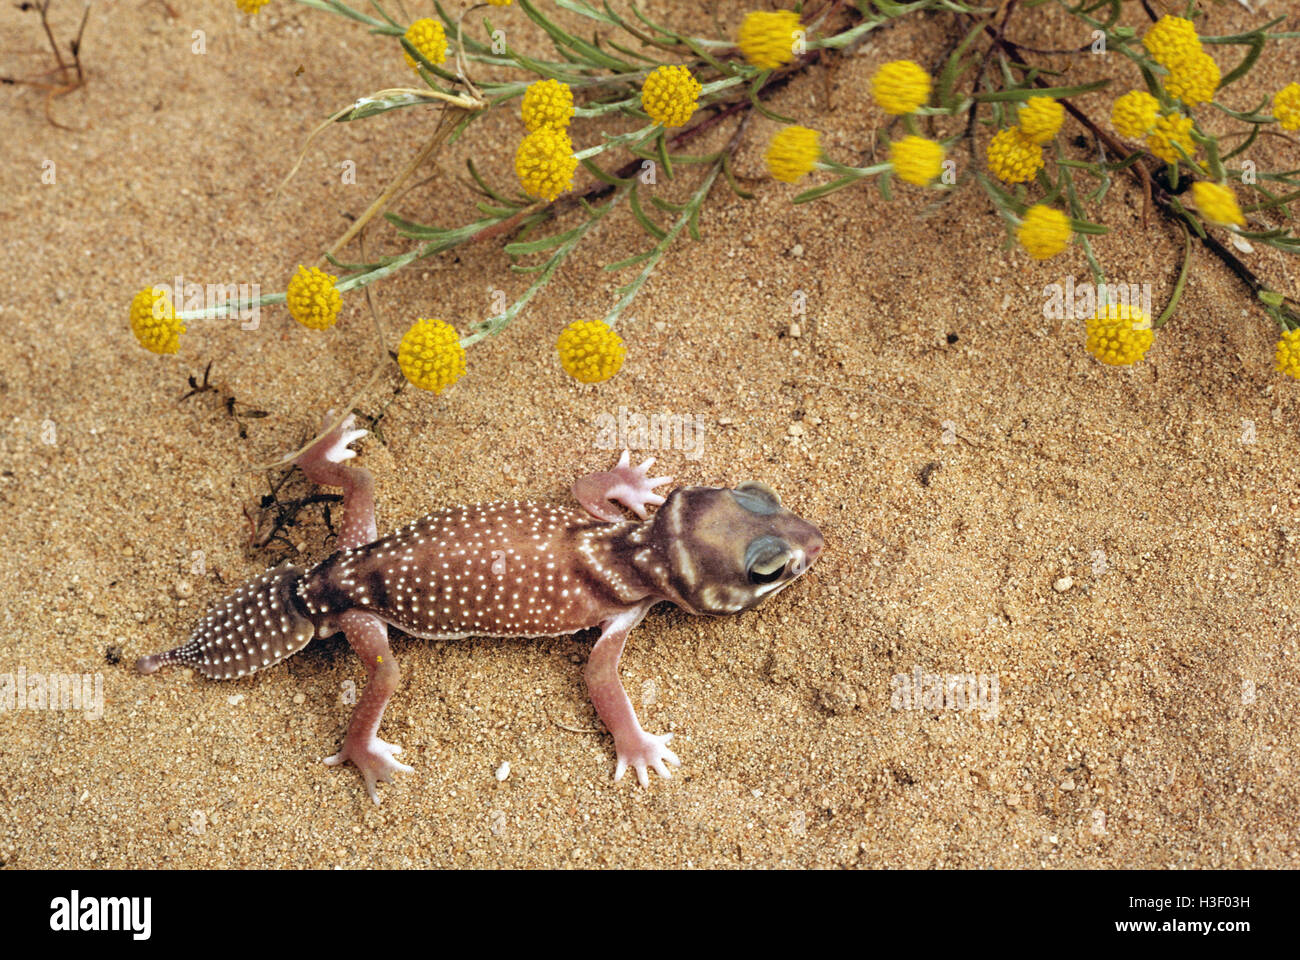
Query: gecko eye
x,y
766,559
757,497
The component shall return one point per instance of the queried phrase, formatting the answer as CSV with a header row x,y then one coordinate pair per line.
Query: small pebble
x,y
300,698
796,250
1065,583
235,699
796,331
1068,784
795,430
503,771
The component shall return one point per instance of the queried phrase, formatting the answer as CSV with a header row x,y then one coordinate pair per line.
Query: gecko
x,y
507,568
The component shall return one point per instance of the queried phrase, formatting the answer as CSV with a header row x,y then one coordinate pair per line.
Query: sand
x,y
1117,548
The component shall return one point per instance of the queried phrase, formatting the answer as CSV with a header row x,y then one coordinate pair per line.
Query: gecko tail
x,y
258,625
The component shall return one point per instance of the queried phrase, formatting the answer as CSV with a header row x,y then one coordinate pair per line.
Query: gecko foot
x,y
625,484
374,758
646,750
333,446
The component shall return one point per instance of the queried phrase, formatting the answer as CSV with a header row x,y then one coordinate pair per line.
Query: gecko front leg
x,y
323,463
624,484
633,745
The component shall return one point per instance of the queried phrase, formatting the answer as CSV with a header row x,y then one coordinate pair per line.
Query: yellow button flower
x,y
670,95
1218,204
312,298
900,86
1288,354
547,103
1286,106
916,160
767,39
1119,335
590,351
1044,233
1013,157
1170,130
154,322
429,38
1171,39
793,152
1193,79
251,7
1041,119
430,355
545,163
1134,114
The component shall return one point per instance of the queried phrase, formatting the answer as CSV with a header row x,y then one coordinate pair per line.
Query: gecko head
x,y
727,550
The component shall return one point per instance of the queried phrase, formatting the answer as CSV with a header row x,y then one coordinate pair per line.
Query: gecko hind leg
x,y
368,636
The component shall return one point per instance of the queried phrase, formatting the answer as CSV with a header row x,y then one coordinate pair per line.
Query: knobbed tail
x,y
258,625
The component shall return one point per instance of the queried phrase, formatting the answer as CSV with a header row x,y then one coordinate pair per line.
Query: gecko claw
x,y
633,487
334,446
375,761
648,751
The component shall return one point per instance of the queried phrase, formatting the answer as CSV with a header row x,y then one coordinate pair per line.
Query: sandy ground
x,y
1147,711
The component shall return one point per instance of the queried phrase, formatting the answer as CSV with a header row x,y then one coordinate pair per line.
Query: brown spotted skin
x,y
513,568
519,568
255,627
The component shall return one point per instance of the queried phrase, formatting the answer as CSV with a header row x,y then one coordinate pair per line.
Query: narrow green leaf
x,y
826,188
996,96
545,243
662,150
1248,61
758,104
497,212
630,261
649,225
483,185
601,175
667,206
731,179
1179,285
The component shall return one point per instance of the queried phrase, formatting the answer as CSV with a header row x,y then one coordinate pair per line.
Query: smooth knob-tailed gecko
x,y
513,568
